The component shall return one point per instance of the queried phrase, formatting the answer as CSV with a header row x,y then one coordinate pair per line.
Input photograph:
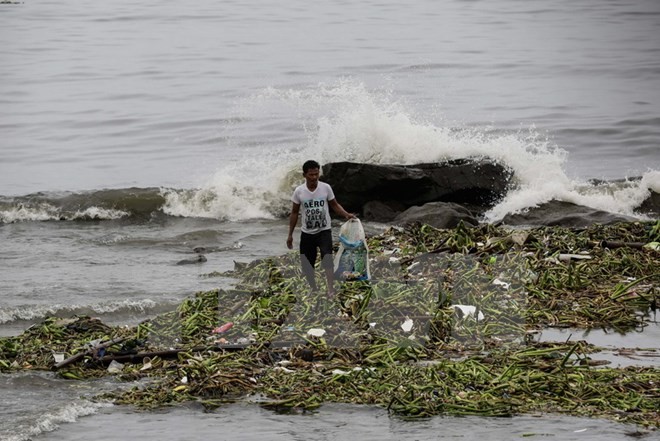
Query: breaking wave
x,y
343,122
36,312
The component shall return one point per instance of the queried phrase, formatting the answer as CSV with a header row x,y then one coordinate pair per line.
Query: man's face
x,y
312,175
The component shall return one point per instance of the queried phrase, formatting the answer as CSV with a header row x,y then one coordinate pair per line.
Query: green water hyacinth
x,y
447,325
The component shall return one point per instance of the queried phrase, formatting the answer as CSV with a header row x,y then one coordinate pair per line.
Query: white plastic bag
x,y
352,259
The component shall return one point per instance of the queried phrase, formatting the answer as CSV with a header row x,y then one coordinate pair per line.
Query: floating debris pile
x,y
446,325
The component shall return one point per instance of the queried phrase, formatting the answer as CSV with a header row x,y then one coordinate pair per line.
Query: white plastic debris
x,y
407,325
58,356
567,257
94,343
184,380
146,364
283,369
469,310
343,372
316,332
413,266
501,283
115,367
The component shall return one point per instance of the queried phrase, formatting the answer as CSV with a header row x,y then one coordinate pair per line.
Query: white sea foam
x,y
620,197
48,212
51,421
33,312
346,122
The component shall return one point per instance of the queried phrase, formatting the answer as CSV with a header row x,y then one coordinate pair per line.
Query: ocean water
x,y
133,132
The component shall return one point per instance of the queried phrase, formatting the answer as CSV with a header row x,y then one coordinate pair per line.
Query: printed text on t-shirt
x,y
315,214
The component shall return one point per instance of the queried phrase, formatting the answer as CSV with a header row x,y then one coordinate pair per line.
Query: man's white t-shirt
x,y
314,207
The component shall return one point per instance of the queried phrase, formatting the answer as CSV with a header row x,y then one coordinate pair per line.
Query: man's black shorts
x,y
310,242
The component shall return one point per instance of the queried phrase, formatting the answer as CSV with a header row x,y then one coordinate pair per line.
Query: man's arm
x,y
293,220
337,208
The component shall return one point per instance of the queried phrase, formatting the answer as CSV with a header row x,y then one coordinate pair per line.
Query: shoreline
x,y
441,362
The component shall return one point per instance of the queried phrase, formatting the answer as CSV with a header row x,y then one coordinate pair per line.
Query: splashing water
x,y
346,122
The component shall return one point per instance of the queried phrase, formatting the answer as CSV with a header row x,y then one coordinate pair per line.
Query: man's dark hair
x,y
309,165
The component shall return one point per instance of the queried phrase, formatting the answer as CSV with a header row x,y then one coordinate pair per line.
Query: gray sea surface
x,y
133,132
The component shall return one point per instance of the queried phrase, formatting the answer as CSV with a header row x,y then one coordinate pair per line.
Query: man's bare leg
x,y
329,274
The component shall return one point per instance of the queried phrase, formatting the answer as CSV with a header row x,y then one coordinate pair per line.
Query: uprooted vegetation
x,y
447,325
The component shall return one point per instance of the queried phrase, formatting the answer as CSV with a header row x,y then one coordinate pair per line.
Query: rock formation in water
x,y
384,191
565,214
443,194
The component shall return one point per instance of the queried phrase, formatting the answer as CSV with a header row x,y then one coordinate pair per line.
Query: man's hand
x,y
289,242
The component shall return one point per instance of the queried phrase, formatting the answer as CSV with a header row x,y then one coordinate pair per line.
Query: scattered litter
x,y
283,369
407,325
58,356
146,364
224,328
504,285
567,257
115,367
469,310
316,332
344,372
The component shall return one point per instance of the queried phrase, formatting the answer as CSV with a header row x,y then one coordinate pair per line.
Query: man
x,y
315,198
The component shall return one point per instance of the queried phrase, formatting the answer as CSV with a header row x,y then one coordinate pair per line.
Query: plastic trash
x,y
115,367
352,259
469,310
146,364
567,257
501,283
224,328
407,325
316,332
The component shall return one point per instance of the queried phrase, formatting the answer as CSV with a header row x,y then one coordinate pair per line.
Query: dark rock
x,y
651,205
381,212
565,214
438,215
199,259
478,184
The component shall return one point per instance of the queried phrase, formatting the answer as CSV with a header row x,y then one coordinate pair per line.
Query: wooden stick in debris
x,y
89,351
172,353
